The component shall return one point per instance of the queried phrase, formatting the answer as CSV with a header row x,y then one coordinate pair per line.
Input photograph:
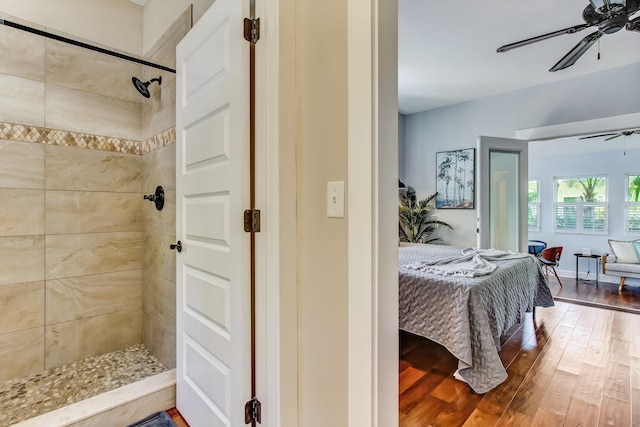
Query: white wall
x,y
614,165
322,257
114,23
456,127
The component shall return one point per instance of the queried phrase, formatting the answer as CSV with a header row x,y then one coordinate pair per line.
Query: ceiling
x,y
569,146
447,49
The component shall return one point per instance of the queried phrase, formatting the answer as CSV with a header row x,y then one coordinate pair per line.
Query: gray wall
x,y
455,127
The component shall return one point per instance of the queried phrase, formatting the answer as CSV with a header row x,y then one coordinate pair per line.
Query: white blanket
x,y
471,263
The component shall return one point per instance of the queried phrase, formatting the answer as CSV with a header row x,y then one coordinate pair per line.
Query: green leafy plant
x,y
590,188
634,189
417,219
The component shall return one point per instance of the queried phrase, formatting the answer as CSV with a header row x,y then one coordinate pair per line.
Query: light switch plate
x,y
335,199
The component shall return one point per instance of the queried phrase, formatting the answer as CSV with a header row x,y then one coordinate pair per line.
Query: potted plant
x,y
417,219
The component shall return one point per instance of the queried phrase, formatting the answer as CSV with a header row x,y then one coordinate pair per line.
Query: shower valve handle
x,y
157,197
177,246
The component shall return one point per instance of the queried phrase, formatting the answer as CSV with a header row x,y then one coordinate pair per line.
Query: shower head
x,y
143,87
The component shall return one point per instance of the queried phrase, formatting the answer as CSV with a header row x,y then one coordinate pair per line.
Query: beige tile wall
x,y
71,254
21,259
21,352
93,252
81,297
17,98
159,168
26,51
80,111
84,91
84,262
159,289
24,301
92,72
92,170
22,165
159,112
67,342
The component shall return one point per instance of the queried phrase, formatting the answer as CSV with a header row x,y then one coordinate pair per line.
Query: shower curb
x,y
121,406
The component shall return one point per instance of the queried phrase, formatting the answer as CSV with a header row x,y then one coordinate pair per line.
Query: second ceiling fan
x,y
614,135
609,16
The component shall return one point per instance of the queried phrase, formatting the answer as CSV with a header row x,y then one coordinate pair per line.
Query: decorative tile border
x,y
22,133
158,141
40,135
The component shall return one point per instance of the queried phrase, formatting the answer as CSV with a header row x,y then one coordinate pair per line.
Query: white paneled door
x,y
213,269
502,193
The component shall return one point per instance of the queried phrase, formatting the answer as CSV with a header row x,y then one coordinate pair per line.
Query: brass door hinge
x,y
253,411
252,30
252,220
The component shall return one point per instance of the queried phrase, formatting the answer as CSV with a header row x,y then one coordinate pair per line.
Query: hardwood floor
x,y
573,366
177,418
604,294
578,366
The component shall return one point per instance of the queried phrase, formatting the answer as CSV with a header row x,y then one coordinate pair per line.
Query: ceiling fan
x,y
610,16
614,135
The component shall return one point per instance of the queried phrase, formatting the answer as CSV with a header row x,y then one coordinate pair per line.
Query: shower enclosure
x,y
85,264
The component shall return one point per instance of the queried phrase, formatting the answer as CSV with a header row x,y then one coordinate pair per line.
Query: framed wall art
x,y
455,179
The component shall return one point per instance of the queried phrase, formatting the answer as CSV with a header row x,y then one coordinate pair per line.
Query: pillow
x,y
624,251
636,246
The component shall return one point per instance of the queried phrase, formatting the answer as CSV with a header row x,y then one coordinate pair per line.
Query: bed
x,y
467,315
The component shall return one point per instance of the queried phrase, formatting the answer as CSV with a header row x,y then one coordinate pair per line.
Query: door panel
x,y
502,193
212,179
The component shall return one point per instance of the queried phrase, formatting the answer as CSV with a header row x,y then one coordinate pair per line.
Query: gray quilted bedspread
x,y
467,315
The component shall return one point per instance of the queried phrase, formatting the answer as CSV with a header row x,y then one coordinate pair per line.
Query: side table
x,y
579,255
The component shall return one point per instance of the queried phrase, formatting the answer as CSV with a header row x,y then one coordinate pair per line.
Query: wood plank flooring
x,y
576,366
176,416
573,366
603,294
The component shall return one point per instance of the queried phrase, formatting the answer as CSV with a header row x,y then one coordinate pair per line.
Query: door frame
x,y
483,165
372,197
272,376
372,31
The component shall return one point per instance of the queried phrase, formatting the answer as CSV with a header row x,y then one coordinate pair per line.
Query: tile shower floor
x,y
27,397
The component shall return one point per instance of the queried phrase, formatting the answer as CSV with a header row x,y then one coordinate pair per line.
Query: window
x,y
533,211
632,207
581,205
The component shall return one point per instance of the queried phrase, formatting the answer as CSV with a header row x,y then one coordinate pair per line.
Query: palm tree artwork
x,y
455,181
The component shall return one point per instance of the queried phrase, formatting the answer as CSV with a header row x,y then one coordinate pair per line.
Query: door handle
x,y
177,246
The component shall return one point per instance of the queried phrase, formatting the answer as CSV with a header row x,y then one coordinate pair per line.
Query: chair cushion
x,y
619,269
624,251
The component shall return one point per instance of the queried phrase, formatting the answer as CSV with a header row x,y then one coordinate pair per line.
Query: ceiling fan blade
x,y
632,6
574,54
634,24
598,136
521,43
612,137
